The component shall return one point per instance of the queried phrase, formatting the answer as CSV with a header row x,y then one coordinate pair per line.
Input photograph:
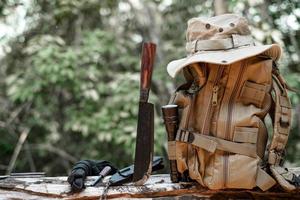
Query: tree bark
x,y
157,187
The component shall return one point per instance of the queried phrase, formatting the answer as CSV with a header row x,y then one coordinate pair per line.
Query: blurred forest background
x,y
69,74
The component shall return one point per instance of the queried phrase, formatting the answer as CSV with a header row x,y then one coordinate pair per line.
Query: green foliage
x,y
83,90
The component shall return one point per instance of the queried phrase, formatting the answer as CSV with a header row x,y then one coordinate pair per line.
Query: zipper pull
x,y
215,95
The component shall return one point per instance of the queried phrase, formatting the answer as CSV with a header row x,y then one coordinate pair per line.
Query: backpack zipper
x,y
213,101
229,119
215,95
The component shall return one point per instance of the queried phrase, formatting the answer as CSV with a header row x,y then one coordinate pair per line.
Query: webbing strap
x,y
263,180
210,143
171,150
282,122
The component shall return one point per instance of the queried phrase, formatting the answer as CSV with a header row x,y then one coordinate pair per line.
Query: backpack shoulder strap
x,y
195,77
282,114
174,97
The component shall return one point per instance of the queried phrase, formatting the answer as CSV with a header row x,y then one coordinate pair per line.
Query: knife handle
x,y
148,56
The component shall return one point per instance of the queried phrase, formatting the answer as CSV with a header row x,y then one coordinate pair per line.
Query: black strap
x,y
125,175
295,180
85,168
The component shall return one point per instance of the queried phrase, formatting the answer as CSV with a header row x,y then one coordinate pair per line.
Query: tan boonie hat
x,y
223,40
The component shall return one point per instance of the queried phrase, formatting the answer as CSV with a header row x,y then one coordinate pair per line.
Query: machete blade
x,y
144,143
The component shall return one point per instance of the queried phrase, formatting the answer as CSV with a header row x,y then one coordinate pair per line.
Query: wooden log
x,y
158,186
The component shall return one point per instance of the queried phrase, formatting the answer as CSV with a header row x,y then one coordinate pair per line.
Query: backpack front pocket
x,y
253,93
242,171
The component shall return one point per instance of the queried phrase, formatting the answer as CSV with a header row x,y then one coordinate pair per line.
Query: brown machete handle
x,y
148,56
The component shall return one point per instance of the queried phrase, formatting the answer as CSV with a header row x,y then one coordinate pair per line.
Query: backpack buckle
x,y
185,136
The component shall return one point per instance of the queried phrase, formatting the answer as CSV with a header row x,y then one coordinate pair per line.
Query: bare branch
x,y
15,113
17,150
29,157
60,152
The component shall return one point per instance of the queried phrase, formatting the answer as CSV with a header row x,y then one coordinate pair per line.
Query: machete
x,y
145,127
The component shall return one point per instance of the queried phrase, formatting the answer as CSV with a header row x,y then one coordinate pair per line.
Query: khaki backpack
x,y
222,139
232,84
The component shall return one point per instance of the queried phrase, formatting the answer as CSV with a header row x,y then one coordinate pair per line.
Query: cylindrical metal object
x,y
170,116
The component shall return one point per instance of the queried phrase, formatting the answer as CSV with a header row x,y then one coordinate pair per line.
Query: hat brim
x,y
224,57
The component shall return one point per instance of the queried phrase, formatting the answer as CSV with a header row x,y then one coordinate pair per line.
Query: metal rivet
x,y
224,61
207,26
232,24
220,29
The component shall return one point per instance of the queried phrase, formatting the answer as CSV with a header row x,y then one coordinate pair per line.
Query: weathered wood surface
x,y
158,186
